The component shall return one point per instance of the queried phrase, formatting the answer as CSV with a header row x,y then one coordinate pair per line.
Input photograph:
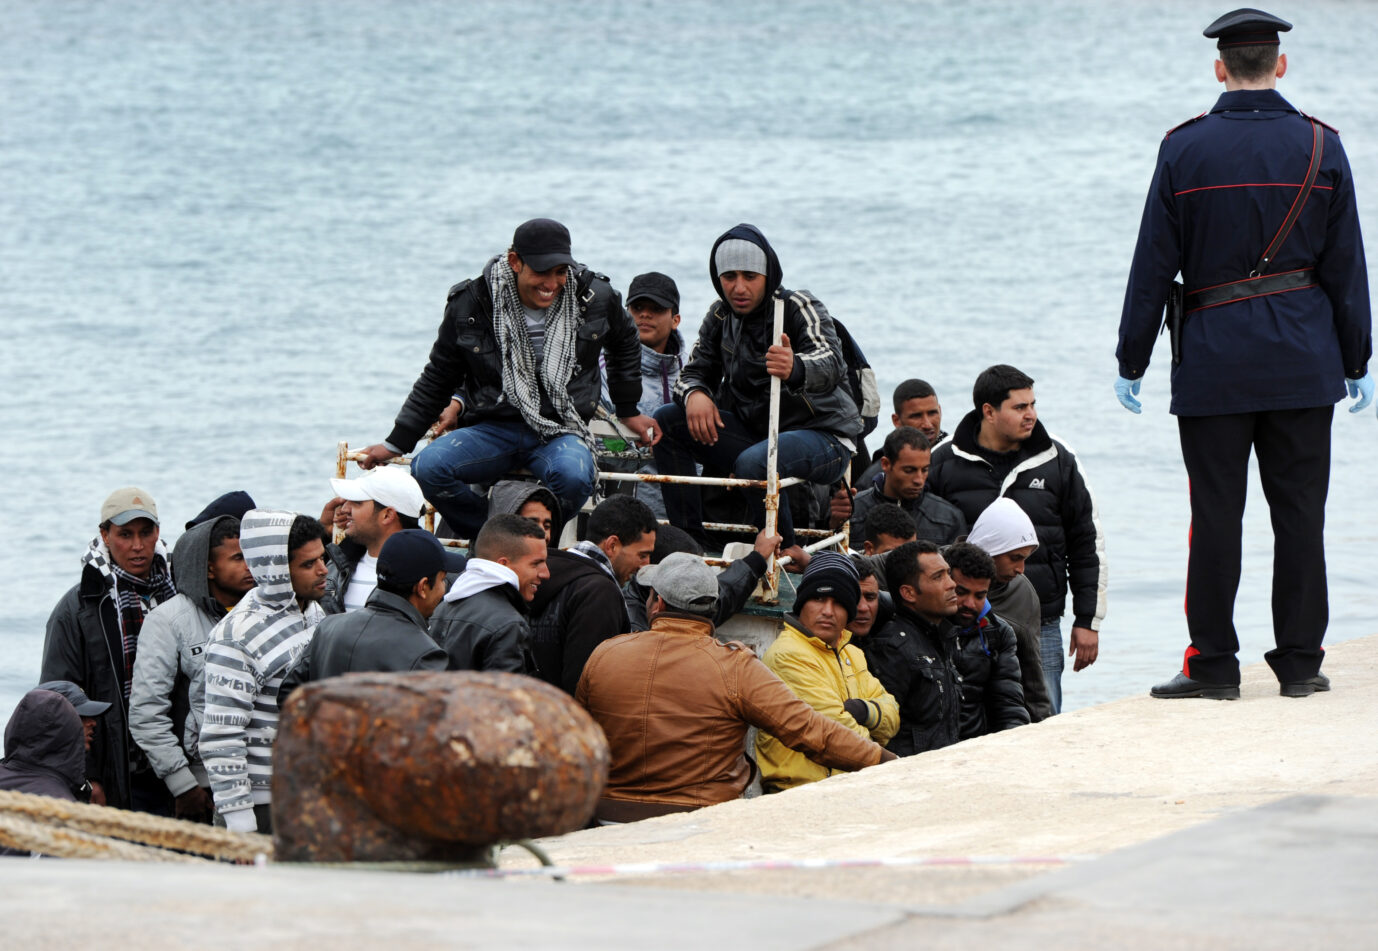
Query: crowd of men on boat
x,y
162,674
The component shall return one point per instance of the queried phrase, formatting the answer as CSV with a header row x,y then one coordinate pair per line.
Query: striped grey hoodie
x,y
248,654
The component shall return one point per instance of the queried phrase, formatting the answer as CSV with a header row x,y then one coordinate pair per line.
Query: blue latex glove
x,y
1126,390
1362,389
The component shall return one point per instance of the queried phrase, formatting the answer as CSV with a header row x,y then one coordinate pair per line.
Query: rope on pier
x,y
77,830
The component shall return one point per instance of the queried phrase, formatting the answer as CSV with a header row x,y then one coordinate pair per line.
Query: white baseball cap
x,y
389,486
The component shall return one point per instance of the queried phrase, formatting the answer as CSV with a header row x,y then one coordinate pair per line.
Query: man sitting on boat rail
x,y
516,360
722,400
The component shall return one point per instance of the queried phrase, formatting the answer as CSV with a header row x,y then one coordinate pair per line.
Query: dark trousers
x,y
1293,448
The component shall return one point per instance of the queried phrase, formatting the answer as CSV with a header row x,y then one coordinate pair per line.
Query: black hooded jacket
x,y
728,359
992,688
45,752
577,608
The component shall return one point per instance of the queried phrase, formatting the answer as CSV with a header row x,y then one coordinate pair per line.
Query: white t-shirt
x,y
361,583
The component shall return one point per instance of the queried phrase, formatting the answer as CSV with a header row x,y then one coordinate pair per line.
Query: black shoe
x,y
1305,688
1184,686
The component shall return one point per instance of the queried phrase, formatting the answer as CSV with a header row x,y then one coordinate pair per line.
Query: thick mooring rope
x,y
77,830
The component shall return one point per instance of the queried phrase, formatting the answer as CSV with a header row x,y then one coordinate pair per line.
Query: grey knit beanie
x,y
738,254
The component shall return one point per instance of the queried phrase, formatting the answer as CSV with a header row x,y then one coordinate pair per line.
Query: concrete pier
x,y
1182,823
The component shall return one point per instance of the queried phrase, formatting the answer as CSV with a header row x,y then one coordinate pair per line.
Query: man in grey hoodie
x,y
169,688
482,623
250,651
530,500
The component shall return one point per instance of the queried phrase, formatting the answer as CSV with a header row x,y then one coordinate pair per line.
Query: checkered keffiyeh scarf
x,y
559,358
134,597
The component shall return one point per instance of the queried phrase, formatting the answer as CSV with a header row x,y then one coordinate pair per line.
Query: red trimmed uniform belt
x,y
1219,294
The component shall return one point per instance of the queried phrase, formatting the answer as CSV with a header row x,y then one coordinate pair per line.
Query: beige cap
x,y
124,505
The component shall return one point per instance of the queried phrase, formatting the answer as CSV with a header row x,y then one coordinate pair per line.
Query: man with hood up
x,y
169,690
530,500
93,637
720,415
45,752
248,655
515,371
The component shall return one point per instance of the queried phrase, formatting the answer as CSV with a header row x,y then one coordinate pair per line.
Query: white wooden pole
x,y
772,453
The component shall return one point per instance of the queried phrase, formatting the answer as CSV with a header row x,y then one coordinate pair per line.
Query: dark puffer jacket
x,y
913,660
577,608
45,751
387,634
986,656
1043,478
728,359
465,360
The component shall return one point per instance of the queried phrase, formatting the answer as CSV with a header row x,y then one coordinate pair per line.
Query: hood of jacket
x,y
190,558
263,539
480,574
565,568
45,732
508,496
773,272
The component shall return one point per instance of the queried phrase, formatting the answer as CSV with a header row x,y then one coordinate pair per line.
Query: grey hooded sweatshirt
x,y
248,654
168,692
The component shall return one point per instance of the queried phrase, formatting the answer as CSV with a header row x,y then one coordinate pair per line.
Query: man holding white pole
x,y
759,343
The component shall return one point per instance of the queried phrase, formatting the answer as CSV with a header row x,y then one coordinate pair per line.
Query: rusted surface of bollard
x,y
430,766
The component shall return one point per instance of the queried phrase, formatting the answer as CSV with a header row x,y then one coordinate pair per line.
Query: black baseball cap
x,y
542,244
656,287
1246,27
410,555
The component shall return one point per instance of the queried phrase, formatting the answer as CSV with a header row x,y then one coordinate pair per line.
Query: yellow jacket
x,y
823,677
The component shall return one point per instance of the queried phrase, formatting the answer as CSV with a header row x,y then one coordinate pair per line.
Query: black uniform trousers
x,y
1293,448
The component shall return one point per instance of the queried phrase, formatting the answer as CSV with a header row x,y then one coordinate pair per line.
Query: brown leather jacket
x,y
675,705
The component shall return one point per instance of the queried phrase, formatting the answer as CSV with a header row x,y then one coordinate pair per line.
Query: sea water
x,y
227,231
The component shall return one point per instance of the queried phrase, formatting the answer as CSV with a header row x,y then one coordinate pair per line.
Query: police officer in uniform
x,y
1273,334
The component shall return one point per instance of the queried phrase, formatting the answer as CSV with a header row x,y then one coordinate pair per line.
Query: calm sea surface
x,y
227,231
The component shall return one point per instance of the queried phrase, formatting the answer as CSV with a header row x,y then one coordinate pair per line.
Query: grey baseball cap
x,y
86,707
684,581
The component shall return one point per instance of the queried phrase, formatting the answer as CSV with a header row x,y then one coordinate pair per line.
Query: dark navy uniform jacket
x,y
1223,186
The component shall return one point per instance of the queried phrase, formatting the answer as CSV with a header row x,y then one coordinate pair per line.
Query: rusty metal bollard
x,y
430,766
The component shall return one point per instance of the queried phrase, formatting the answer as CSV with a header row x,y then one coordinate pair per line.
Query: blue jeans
x,y
485,452
1050,652
803,453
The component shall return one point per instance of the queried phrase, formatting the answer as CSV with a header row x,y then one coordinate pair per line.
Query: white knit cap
x,y
738,254
1002,528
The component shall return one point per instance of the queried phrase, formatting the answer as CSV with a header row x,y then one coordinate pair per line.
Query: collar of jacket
x,y
942,629
385,602
1252,100
964,442
793,623
93,584
653,362
682,622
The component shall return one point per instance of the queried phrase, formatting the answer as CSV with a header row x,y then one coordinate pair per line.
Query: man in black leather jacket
x,y
912,654
986,652
515,369
389,632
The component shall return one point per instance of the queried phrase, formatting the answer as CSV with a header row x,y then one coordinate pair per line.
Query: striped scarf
x,y
559,361
134,597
